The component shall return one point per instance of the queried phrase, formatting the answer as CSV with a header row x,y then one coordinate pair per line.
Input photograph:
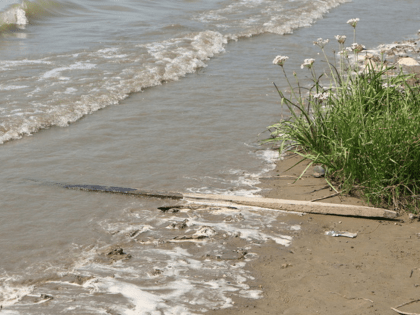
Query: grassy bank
x,y
361,123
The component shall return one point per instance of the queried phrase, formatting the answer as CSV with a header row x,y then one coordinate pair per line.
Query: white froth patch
x,y
251,294
143,301
121,228
7,64
70,90
244,183
13,294
251,233
295,19
15,15
109,53
169,297
11,87
268,155
181,56
295,228
77,66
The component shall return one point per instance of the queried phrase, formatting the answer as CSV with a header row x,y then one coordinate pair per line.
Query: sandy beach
x,y
321,274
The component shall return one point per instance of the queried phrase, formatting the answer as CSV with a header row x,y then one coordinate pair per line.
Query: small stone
x,y
46,297
408,62
319,171
179,225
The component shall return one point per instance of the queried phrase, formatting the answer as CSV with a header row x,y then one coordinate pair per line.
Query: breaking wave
x,y
13,16
20,14
114,73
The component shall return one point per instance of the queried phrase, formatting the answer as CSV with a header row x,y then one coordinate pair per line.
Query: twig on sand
x,y
325,187
326,197
355,298
405,313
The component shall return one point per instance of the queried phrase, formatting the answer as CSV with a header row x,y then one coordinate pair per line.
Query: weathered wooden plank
x,y
300,206
128,191
279,204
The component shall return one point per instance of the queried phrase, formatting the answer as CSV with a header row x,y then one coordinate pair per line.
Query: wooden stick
x,y
278,204
299,206
405,313
326,197
325,187
128,191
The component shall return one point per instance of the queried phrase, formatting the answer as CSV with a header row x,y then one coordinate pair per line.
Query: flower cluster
x,y
341,38
386,85
321,43
280,60
353,22
355,47
399,88
322,96
307,63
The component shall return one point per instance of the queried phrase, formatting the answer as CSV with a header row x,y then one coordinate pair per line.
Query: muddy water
x,y
199,134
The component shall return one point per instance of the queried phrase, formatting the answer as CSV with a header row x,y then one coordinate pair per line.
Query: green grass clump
x,y
364,129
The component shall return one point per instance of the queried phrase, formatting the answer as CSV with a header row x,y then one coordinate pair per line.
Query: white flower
x,y
307,63
321,43
356,48
341,38
398,88
353,22
386,85
280,60
344,52
322,96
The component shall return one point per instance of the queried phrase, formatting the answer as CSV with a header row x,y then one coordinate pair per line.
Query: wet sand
x,y
321,274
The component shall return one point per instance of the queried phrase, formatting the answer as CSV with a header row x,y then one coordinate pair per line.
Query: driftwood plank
x,y
300,206
124,190
278,204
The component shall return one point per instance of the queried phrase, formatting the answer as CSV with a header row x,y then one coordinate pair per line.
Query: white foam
x,y
250,234
251,294
15,15
11,294
285,24
5,65
180,56
11,87
70,90
108,53
76,66
183,284
168,298
244,178
295,228
143,301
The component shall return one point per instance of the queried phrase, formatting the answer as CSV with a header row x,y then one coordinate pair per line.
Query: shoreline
x,y
320,274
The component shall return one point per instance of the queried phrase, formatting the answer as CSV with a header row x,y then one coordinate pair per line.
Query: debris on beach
x,y
319,171
112,254
343,234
